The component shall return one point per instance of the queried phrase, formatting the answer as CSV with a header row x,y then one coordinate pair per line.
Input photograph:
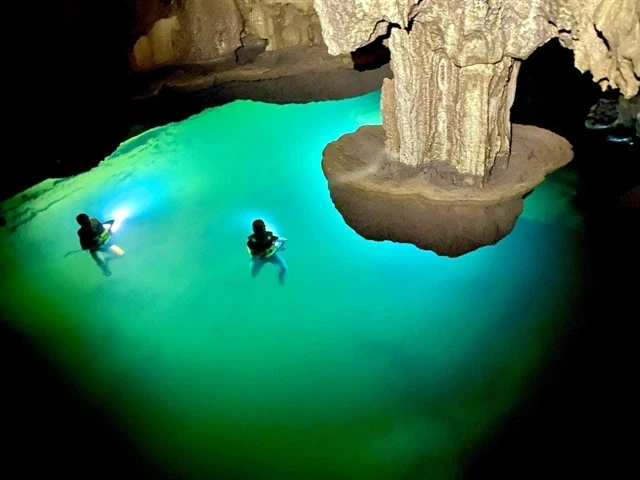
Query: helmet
x,y
258,226
83,219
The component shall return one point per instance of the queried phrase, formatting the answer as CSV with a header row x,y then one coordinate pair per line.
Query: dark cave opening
x,y
371,56
553,94
572,424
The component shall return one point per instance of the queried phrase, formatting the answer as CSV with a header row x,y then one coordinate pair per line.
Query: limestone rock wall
x,y
605,38
195,31
187,31
147,13
629,113
208,29
612,113
283,23
455,65
157,47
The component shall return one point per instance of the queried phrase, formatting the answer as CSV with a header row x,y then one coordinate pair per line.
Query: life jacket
x,y
103,237
94,236
268,252
103,234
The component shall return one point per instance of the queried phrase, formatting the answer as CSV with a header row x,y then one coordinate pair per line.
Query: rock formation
x,y
191,31
281,23
617,115
195,31
156,48
446,113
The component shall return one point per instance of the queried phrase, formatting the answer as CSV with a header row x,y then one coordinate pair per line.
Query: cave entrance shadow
x,y
571,420
371,56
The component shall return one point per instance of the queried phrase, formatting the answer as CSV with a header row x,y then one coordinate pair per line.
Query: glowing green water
x,y
374,360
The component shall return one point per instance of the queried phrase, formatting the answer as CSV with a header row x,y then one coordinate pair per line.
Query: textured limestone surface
x,y
605,38
208,29
282,23
359,159
610,113
192,31
381,200
447,171
455,65
156,48
195,31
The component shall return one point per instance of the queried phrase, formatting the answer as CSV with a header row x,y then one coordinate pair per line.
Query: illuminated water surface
x,y
372,361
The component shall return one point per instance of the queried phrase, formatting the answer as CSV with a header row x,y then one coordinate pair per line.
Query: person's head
x,y
83,220
258,227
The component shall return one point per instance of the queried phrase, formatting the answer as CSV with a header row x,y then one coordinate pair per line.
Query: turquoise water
x,y
374,360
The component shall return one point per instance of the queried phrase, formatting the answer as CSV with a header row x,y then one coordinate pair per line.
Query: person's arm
x,y
108,225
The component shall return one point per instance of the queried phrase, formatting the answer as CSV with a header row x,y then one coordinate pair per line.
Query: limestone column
x,y
455,65
435,111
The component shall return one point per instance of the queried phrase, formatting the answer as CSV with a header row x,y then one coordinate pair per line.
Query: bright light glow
x,y
119,216
271,228
129,202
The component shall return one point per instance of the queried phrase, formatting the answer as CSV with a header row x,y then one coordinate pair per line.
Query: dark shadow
x,y
371,56
51,429
603,38
553,94
571,421
76,111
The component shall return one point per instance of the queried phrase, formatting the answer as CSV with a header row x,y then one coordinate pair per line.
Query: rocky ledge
x,y
384,200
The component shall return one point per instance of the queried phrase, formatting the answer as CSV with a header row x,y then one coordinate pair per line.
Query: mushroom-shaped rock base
x,y
386,200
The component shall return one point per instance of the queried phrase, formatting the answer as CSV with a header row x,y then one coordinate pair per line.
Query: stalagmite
x,y
446,137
